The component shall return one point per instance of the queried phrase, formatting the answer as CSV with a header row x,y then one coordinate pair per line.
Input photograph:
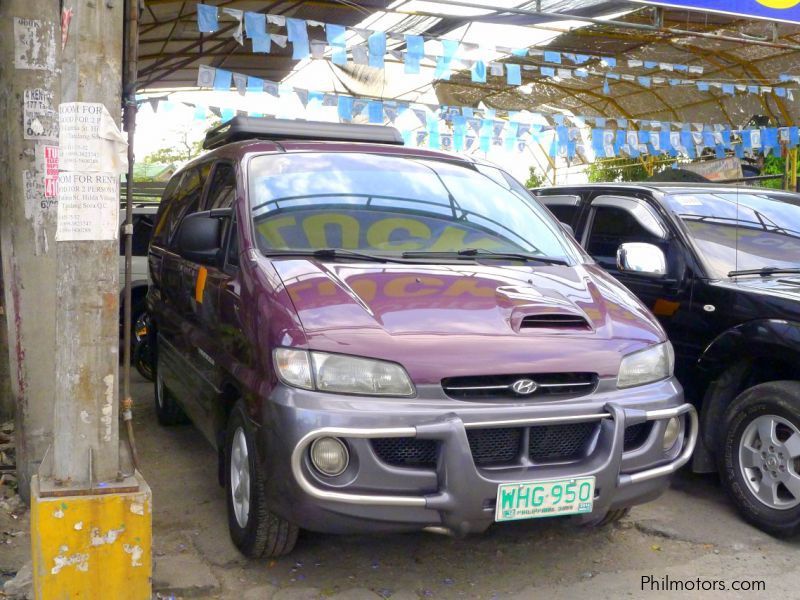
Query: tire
x,y
762,473
143,360
254,529
168,411
609,518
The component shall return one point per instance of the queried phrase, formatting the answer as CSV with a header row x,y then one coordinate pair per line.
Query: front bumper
x,y
457,495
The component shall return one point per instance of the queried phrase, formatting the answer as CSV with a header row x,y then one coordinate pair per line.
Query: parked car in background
x,y
373,346
143,218
720,267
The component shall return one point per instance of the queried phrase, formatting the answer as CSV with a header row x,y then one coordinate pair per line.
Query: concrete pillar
x,y
30,43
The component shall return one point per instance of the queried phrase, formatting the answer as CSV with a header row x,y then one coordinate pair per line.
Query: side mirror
x,y
568,227
200,235
641,259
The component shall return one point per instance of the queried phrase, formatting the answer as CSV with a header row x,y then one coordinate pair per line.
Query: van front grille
x,y
563,442
547,386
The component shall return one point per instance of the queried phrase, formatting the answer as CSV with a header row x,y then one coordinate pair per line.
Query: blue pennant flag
x,y
345,108
375,111
262,43
432,128
336,40
450,48
720,151
255,84
769,138
606,87
298,35
207,18
227,114
512,135
548,71
664,141
415,49
794,137
752,89
610,61
644,81
442,70
255,24
459,128
702,86
552,57
479,71
199,113
222,80
650,64
520,52
467,111
513,74
597,143
377,49
738,149
727,88
708,139
780,92
681,68
747,143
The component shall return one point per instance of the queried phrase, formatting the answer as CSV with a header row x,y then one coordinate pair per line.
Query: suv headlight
x,y
340,373
645,366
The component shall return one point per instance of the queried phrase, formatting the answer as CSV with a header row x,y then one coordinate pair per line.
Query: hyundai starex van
x,y
383,339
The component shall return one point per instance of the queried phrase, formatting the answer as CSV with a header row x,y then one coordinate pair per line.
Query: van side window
x,y
187,199
222,188
165,211
233,246
611,227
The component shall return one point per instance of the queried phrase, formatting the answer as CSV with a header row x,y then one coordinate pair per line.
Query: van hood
x,y
448,320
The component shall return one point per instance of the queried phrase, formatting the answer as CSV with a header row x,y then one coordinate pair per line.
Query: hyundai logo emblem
x,y
524,387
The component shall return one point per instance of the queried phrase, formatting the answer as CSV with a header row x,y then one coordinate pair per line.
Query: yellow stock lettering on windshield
x,y
270,229
314,228
318,227
379,233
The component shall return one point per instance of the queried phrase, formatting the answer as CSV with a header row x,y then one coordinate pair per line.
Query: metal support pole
x,y
129,95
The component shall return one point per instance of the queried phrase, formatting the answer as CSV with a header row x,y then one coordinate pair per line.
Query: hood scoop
x,y
554,321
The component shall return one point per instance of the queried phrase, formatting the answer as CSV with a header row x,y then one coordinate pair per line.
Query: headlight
x,y
645,366
342,374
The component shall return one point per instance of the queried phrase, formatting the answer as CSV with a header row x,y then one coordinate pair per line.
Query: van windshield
x,y
742,230
389,205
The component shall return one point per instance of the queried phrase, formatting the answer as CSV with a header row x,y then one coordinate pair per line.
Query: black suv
x,y
720,267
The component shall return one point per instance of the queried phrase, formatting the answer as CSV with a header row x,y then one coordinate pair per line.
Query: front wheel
x,y
255,530
759,456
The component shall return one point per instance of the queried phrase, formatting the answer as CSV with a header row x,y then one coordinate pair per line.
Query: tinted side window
x,y
565,214
166,210
612,227
222,188
185,200
233,246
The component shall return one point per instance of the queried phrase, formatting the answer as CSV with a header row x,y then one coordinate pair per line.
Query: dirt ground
x,y
690,532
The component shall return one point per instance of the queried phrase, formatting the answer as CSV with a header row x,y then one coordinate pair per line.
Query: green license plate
x,y
550,498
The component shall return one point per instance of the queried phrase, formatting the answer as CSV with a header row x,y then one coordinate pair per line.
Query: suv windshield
x,y
389,205
739,231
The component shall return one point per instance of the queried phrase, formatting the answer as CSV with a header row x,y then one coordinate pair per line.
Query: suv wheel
x,y
168,411
254,529
759,456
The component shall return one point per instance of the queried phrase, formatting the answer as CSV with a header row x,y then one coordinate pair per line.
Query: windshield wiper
x,y
765,271
481,253
334,253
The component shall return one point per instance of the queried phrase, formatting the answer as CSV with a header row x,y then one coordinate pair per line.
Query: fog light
x,y
329,456
671,432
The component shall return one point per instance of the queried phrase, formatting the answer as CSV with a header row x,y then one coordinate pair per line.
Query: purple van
x,y
383,339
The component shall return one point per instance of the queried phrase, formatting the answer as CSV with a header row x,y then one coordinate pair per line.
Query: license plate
x,y
550,498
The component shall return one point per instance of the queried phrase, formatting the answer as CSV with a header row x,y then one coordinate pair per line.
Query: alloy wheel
x,y
240,477
769,459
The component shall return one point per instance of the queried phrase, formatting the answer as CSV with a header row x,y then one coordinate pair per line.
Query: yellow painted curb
x,y
94,546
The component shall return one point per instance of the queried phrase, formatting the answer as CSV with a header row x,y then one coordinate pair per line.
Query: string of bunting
x,y
452,55
459,128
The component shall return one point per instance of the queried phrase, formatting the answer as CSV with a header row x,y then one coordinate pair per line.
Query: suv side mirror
x,y
568,228
641,259
199,235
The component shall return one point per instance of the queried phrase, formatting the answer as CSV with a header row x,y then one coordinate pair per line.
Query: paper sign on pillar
x,y
92,156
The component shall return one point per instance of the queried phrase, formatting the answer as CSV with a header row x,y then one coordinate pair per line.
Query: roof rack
x,y
261,128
